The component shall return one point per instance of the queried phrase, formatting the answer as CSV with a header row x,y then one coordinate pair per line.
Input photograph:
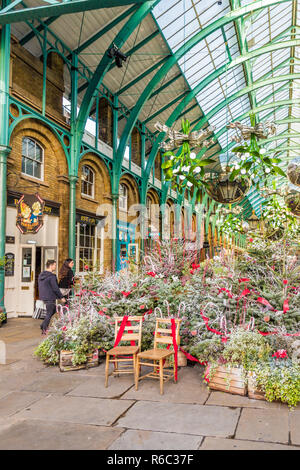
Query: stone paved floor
x,y
43,408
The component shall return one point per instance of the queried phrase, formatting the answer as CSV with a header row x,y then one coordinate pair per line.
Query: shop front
x,y
89,242
127,249
27,254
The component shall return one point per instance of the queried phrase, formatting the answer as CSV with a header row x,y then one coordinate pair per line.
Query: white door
x,y
27,278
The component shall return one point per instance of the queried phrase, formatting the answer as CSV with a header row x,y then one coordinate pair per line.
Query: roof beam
x,y
31,35
143,75
289,135
103,31
62,7
168,105
128,54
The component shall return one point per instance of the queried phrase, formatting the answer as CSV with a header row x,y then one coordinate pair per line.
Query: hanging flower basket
x,y
292,201
293,172
220,188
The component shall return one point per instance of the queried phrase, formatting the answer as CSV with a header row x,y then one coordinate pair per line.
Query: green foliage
x,y
2,317
254,161
246,348
230,224
184,170
279,379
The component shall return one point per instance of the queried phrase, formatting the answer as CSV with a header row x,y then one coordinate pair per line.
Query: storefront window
x,y
87,181
88,247
32,158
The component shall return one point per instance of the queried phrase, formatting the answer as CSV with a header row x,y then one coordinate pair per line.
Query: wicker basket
x,y
228,379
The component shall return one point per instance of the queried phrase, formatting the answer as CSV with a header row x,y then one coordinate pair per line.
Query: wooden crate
x,y
93,359
253,391
65,361
228,380
182,360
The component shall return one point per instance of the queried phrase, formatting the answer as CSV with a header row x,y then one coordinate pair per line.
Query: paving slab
x,y
16,380
189,389
181,418
94,387
59,383
149,440
294,418
264,425
215,443
45,435
81,410
14,402
229,399
98,371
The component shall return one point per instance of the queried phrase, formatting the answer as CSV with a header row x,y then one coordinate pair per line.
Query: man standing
x,y
49,292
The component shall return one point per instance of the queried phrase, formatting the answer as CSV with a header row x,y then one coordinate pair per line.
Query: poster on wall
x,y
30,208
9,264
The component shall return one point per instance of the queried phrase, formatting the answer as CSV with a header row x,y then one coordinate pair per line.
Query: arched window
x,y
87,181
32,158
123,197
149,203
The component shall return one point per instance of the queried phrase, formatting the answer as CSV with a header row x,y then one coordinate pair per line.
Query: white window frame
x,y
26,156
88,182
123,199
99,235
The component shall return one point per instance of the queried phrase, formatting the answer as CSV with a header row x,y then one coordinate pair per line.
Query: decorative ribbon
x,y
175,345
121,330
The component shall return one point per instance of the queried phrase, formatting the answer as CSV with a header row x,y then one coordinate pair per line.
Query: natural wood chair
x,y
132,332
158,356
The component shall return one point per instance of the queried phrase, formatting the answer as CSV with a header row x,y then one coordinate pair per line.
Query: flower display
x,y
241,310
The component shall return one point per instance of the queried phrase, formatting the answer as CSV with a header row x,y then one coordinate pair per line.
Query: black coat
x,y
67,281
48,287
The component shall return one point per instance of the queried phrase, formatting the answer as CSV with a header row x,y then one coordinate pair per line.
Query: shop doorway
x,y
33,262
43,254
27,279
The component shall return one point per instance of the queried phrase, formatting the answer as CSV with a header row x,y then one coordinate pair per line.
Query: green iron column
x,y
4,144
143,193
72,216
115,198
114,185
74,154
143,216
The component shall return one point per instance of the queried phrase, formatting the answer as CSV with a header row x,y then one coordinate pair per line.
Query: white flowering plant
x,y
186,169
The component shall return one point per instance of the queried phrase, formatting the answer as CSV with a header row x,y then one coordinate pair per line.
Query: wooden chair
x,y
131,332
158,356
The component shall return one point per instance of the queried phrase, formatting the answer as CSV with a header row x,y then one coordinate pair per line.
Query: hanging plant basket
x,y
293,172
292,201
221,189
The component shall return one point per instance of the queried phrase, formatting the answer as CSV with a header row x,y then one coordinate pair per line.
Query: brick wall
x,y
55,186
26,80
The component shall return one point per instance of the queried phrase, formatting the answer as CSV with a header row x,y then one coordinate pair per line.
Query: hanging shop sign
x,y
50,207
9,264
30,210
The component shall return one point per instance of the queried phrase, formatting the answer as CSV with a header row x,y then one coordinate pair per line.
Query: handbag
x,y
40,309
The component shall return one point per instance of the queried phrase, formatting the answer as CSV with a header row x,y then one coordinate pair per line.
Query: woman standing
x,y
66,277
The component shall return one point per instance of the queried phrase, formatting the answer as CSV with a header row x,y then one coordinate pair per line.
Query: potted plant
x,y
2,317
242,350
278,379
